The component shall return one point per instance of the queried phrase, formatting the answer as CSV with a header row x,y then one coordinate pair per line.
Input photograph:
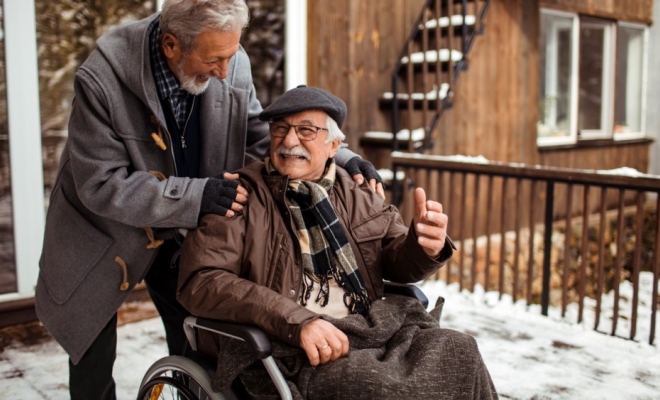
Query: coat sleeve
x,y
404,260
258,137
211,286
344,155
105,176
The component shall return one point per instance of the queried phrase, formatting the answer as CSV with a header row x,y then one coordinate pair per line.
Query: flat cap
x,y
303,98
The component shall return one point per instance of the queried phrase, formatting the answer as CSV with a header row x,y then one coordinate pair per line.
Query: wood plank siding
x,y
353,46
626,10
494,113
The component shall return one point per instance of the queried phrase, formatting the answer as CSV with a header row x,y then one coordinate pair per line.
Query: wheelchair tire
x,y
176,378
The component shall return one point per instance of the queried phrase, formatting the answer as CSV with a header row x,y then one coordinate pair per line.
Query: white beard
x,y
188,83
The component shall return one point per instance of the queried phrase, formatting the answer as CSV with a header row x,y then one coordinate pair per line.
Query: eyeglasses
x,y
304,132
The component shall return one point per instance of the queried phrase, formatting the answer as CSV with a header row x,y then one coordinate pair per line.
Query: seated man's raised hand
x,y
430,224
322,342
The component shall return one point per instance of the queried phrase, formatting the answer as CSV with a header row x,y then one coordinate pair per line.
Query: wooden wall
x,y
352,47
495,109
353,44
492,115
627,10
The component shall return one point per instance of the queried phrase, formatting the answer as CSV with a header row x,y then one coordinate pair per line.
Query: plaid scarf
x,y
326,252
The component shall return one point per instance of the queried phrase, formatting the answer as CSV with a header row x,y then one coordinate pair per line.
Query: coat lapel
x,y
223,131
215,121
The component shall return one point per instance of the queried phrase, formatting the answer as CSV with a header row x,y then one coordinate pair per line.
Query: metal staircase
x,y
428,67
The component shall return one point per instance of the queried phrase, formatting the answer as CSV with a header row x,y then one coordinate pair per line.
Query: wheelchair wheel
x,y
177,378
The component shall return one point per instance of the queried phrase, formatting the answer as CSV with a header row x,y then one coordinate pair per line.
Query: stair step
x,y
387,99
434,94
418,62
443,22
404,134
432,56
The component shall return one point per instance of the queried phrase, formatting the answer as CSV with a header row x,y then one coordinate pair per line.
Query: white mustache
x,y
294,151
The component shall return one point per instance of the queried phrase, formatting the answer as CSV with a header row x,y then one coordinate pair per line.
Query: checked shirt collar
x,y
167,85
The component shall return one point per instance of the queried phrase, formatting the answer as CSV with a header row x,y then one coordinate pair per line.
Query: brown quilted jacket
x,y
248,269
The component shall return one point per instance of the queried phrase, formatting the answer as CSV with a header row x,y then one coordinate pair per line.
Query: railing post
x,y
547,246
397,190
395,113
463,28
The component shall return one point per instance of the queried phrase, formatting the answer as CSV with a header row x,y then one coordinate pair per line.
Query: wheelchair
x,y
189,377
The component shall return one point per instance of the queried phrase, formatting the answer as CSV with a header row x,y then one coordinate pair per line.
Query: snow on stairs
x,y
428,65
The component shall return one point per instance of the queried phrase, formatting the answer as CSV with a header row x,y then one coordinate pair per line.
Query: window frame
x,y
645,66
575,46
606,130
25,151
577,136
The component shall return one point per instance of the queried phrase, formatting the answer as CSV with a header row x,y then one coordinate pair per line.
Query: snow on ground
x,y
529,356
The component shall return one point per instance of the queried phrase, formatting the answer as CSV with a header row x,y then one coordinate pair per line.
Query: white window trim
x,y
607,110
645,65
24,143
572,137
609,73
295,44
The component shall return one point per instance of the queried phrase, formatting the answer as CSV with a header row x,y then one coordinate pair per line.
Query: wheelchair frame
x,y
253,336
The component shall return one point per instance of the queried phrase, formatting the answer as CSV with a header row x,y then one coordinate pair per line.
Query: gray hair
x,y
186,19
333,130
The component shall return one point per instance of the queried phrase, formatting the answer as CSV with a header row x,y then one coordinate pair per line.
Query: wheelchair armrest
x,y
408,290
255,338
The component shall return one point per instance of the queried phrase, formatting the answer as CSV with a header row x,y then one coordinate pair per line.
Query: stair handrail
x,y
460,67
467,40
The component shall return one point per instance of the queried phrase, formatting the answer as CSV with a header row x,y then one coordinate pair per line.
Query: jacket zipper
x,y
185,125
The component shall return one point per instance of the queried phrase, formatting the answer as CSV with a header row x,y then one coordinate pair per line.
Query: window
x,y
595,78
629,103
592,74
558,53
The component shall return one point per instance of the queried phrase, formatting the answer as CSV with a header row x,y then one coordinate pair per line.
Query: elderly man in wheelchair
x,y
305,262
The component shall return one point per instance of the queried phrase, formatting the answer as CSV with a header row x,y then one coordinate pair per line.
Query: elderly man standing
x,y
305,262
162,108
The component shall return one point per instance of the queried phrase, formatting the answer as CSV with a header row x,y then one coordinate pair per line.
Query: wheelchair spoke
x,y
156,391
177,378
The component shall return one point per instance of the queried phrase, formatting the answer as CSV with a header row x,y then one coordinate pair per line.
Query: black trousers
x,y
92,378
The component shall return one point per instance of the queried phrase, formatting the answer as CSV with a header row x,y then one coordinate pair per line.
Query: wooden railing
x,y
487,201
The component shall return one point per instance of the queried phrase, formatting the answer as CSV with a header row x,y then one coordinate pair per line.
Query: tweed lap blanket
x,y
397,350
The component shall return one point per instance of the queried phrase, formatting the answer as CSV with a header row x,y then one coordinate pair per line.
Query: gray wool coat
x,y
106,189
